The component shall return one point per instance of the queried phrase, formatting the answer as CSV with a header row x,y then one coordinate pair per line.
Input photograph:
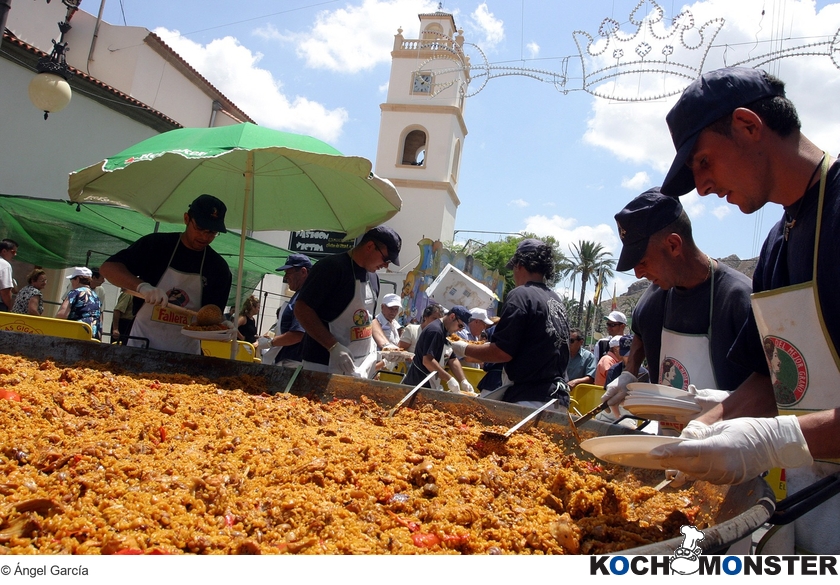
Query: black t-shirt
x,y
430,343
288,322
328,290
689,313
534,331
148,258
249,329
784,263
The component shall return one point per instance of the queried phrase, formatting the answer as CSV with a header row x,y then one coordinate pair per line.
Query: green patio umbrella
x,y
269,180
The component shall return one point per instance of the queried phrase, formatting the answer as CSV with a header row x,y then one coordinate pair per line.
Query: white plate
x,y
630,450
659,412
223,335
664,400
657,389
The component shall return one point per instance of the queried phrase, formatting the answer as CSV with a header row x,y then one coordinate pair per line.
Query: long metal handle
x,y
591,413
410,394
173,308
806,500
518,425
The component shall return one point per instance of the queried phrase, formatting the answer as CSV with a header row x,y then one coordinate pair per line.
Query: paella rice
x,y
97,462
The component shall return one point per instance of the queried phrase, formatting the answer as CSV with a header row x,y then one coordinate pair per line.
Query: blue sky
x,y
553,162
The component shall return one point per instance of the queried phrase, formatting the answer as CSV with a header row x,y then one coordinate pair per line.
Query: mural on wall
x,y
434,258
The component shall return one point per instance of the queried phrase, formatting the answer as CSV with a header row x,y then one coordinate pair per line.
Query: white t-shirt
x,y
6,280
390,329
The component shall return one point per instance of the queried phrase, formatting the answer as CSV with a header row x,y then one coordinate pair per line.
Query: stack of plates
x,y
630,450
658,402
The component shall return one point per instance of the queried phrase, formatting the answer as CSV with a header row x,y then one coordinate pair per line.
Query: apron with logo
x,y
804,369
686,358
161,326
352,329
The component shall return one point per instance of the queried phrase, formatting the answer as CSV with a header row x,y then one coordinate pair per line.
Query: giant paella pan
x,y
111,449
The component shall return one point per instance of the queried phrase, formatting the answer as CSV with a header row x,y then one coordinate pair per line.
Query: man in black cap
x,y
532,335
693,309
174,269
338,302
284,349
738,136
430,354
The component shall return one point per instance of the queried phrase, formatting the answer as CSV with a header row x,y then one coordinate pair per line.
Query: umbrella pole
x,y
249,187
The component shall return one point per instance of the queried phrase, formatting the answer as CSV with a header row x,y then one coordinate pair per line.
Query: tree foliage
x,y
589,261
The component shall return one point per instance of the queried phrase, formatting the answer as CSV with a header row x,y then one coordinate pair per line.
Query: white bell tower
x,y
422,130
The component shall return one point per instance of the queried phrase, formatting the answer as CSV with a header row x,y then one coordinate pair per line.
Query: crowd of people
x,y
759,357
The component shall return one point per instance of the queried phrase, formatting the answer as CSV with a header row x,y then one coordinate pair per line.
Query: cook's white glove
x,y
467,387
706,399
459,348
153,295
343,359
263,343
738,450
617,389
452,384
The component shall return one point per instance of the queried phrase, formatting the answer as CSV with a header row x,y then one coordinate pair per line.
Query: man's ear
x,y
747,123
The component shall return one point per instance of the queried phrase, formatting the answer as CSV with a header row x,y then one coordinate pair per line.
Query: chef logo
x,y
686,558
674,374
361,318
788,370
177,296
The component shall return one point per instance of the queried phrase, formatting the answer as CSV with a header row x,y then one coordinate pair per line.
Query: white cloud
x,y
518,203
357,38
722,211
566,231
638,182
694,205
234,70
491,30
533,50
636,132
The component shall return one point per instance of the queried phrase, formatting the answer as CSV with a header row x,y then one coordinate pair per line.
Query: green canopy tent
x,y
59,234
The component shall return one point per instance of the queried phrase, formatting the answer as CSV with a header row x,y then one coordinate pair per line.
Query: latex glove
x,y
452,384
153,295
617,389
696,430
459,348
263,343
737,450
343,359
706,399
467,387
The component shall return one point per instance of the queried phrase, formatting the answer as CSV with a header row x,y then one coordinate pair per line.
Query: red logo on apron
x,y
788,370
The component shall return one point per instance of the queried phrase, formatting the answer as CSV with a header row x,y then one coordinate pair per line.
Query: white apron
x,y
688,356
161,326
804,368
352,329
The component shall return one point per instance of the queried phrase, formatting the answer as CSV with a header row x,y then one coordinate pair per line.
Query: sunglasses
x,y
384,254
613,324
575,339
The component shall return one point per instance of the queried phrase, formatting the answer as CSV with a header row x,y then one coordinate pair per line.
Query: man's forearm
x,y
636,356
433,365
487,352
117,274
287,338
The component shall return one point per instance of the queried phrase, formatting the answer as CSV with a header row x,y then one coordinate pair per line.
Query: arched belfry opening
x,y
414,148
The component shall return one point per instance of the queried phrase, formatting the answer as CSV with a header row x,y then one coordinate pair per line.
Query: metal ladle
x,y
503,437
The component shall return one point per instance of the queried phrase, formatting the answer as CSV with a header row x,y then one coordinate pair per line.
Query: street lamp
x,y
49,90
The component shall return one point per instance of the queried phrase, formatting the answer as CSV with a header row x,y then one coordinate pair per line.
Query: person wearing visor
x,y
738,136
178,269
532,335
430,354
337,302
692,311
286,347
386,329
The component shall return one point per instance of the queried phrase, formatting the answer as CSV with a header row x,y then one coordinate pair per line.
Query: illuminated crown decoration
x,y
651,50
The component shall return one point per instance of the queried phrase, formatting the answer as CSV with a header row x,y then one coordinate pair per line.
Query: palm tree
x,y
589,260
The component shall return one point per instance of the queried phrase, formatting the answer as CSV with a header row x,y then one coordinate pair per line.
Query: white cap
x,y
80,271
615,340
478,314
392,300
616,317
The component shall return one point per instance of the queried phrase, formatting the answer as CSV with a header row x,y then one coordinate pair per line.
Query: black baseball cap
x,y
208,213
624,344
461,312
296,261
710,97
639,220
385,235
525,246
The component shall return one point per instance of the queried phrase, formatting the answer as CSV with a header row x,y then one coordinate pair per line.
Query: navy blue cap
x,y
525,246
624,344
710,97
461,312
385,235
296,261
639,220
208,213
